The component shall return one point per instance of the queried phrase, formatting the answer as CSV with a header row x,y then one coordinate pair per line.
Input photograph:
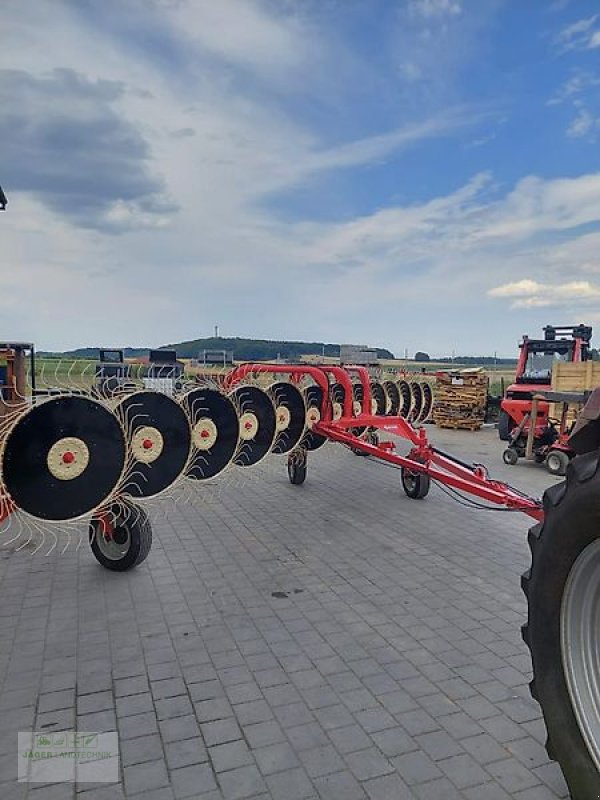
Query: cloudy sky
x,y
413,174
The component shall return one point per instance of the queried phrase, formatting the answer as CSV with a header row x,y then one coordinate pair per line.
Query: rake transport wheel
x,y
296,466
415,484
563,628
121,537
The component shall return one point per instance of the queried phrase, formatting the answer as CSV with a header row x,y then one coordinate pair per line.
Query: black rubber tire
x,y
133,519
371,437
557,462
296,470
505,426
510,456
416,485
571,523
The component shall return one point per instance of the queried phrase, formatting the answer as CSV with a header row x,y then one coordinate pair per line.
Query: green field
x,y
79,372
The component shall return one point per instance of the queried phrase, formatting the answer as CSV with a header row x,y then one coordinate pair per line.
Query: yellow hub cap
x,y
68,458
283,418
248,426
313,415
204,434
147,444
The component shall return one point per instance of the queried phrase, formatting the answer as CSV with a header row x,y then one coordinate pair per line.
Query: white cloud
x,y
579,83
435,8
582,125
528,293
581,35
228,256
579,91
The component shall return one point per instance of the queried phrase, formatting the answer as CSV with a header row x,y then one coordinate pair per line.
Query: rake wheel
x,y
160,441
215,432
63,458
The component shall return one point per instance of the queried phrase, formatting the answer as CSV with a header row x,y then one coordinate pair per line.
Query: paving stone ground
x,y
335,640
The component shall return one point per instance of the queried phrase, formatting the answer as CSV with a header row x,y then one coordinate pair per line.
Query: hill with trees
x,y
243,349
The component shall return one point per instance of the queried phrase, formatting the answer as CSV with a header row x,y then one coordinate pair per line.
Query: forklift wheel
x,y
557,462
510,456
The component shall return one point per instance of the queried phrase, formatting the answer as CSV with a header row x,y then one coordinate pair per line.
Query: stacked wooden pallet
x,y
568,376
460,399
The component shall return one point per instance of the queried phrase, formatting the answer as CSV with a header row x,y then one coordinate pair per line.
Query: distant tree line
x,y
479,360
243,349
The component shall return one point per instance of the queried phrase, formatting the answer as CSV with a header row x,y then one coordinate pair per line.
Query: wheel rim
x,y
580,642
410,480
554,462
116,546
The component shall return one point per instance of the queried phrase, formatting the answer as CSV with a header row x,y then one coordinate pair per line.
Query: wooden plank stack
x,y
460,399
568,376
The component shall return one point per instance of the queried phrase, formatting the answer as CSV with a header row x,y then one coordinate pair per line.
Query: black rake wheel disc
x,y
405,399
417,400
160,440
257,424
427,402
357,394
63,458
313,397
337,393
378,399
290,416
392,395
215,432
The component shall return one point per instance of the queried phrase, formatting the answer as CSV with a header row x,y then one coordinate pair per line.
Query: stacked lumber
x,y
569,376
460,399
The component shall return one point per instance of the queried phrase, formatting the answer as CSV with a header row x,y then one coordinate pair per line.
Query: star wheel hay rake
x,y
67,457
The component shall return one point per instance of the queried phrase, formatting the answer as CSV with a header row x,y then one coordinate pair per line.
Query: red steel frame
x,y
423,456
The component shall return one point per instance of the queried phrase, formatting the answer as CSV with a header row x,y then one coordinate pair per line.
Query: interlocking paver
x,y
192,781
241,783
185,753
140,750
392,669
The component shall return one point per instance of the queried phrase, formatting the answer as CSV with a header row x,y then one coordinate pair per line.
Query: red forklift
x,y
534,375
550,443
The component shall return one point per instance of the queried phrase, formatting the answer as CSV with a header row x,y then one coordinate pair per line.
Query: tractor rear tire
x,y
563,595
505,425
129,542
